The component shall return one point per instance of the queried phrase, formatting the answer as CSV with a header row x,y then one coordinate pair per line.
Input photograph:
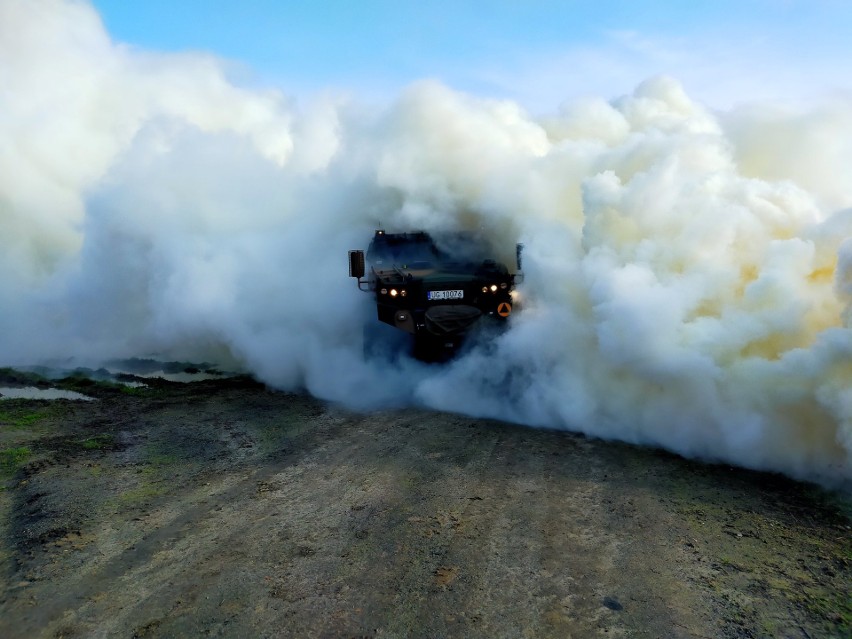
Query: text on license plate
x,y
444,295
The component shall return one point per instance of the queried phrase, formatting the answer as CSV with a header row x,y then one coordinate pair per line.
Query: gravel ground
x,y
222,508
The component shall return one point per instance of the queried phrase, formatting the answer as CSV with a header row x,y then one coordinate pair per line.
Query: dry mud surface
x,y
222,508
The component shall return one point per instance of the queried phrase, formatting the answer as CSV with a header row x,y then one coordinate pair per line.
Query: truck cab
x,y
436,291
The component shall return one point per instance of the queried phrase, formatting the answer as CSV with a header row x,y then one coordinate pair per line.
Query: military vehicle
x,y
437,290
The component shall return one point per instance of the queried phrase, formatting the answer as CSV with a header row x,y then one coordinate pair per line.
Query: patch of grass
x,y
88,386
139,495
160,454
836,504
162,459
135,390
769,627
104,441
17,415
152,481
13,458
77,382
834,608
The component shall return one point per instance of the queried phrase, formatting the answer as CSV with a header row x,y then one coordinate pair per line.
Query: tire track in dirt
x,y
276,515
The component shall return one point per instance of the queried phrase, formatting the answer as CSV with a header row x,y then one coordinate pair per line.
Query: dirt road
x,y
222,508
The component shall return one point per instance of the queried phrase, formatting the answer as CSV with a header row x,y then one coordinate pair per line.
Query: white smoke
x,y
688,273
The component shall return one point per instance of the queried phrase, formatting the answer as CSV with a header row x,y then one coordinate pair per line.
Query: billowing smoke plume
x,y
688,273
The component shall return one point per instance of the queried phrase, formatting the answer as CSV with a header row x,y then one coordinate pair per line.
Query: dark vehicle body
x,y
437,291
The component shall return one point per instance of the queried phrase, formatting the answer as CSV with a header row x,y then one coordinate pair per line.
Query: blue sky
x,y
538,52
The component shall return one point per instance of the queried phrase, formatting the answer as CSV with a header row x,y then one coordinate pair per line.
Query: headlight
x,y
394,292
403,292
503,285
484,289
493,288
384,291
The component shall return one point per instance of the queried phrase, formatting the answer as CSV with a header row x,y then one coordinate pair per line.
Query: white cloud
x,y
720,72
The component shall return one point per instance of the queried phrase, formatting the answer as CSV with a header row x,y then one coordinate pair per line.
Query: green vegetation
x,y
135,390
12,376
139,495
85,381
16,414
13,458
82,384
152,480
103,441
745,546
160,459
834,608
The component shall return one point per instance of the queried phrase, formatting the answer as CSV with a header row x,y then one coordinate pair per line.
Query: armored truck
x,y
435,289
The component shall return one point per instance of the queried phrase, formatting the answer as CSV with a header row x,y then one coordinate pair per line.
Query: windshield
x,y
419,250
403,249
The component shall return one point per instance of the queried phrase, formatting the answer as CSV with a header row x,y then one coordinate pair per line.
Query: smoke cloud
x,y
688,274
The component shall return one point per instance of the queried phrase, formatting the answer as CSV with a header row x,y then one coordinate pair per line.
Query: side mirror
x,y
356,264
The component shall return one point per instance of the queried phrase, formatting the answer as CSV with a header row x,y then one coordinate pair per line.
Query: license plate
x,y
444,295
